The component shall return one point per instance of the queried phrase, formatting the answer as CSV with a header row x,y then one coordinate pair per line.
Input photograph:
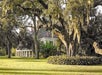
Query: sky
x,y
98,9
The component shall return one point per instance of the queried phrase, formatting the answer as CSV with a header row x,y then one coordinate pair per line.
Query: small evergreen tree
x,y
48,49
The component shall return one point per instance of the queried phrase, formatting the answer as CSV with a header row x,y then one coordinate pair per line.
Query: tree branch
x,y
43,4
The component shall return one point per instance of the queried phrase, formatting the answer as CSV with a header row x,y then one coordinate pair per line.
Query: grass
x,y
30,66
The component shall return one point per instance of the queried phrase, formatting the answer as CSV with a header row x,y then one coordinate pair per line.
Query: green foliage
x,y
84,60
2,52
67,21
48,49
13,50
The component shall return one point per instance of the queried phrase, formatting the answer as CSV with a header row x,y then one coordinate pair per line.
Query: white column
x,y
26,53
19,53
23,53
29,53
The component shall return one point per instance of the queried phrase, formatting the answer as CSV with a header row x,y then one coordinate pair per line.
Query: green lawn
x,y
23,66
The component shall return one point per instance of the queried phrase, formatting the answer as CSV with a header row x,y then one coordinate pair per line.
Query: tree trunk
x,y
9,46
76,47
8,49
61,37
71,48
33,47
36,47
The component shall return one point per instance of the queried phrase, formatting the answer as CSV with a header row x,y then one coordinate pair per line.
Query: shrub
x,y
84,60
48,49
2,52
13,50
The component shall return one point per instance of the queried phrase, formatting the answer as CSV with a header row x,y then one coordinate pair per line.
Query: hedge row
x,y
84,60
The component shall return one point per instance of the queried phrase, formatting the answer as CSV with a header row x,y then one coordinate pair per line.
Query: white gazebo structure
x,y
24,53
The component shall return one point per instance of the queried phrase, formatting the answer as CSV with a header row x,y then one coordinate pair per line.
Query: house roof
x,y
43,33
48,38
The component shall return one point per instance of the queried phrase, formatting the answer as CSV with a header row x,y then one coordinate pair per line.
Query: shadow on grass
x,y
31,60
50,70
24,73
14,57
23,59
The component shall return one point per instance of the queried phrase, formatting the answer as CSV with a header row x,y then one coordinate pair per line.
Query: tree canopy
x,y
69,20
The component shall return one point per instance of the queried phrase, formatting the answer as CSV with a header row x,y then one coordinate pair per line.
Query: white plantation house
x,y
49,39
47,36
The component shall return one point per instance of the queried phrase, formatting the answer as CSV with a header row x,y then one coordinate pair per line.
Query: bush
x,y
84,60
48,49
2,52
13,50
